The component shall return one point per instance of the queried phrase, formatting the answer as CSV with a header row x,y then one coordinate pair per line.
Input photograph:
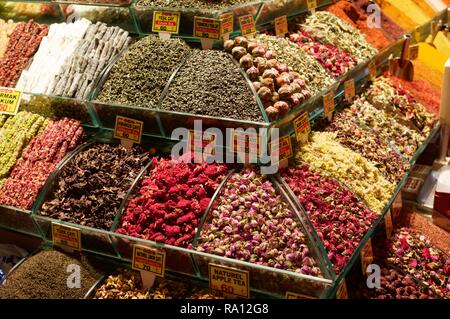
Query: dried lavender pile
x,y
97,49
328,28
369,144
140,74
311,71
211,84
386,95
45,276
39,160
15,134
330,158
251,222
93,184
200,4
405,139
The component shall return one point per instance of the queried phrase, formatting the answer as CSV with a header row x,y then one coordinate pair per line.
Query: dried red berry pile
x,y
171,202
334,60
38,161
339,217
23,43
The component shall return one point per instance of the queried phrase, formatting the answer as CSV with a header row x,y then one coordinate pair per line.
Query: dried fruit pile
x,y
329,158
15,134
339,217
92,185
126,284
22,45
38,161
172,200
140,74
312,72
405,139
337,62
251,222
369,144
414,254
328,28
392,98
279,89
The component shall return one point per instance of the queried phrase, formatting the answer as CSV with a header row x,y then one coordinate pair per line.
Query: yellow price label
x,y
281,26
246,142
166,21
328,103
366,255
302,127
128,129
417,35
229,280
207,28
341,292
202,142
66,236
247,25
9,101
349,89
373,69
312,4
226,23
149,260
281,149
413,52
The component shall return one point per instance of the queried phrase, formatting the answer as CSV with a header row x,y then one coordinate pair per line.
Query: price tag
x,y
247,25
388,224
328,103
207,28
149,260
312,5
281,26
341,292
9,101
293,295
302,127
226,24
166,22
281,149
366,255
349,89
229,280
66,237
203,143
413,52
128,130
372,69
417,35
246,142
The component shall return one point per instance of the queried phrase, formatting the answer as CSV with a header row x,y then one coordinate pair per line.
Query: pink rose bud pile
x,y
39,160
251,222
171,202
339,217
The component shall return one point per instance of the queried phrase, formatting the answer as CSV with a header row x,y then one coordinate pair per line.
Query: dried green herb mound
x,y
140,74
211,84
45,276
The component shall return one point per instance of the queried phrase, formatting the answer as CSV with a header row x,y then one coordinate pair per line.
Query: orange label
x,y
372,69
246,142
413,52
150,260
164,21
226,23
302,127
247,25
312,4
9,101
202,142
65,236
328,103
341,292
207,28
229,280
281,148
366,255
128,129
281,26
388,224
349,89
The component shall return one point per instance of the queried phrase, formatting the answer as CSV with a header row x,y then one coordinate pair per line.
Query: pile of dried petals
x,y
339,217
250,222
414,254
171,201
